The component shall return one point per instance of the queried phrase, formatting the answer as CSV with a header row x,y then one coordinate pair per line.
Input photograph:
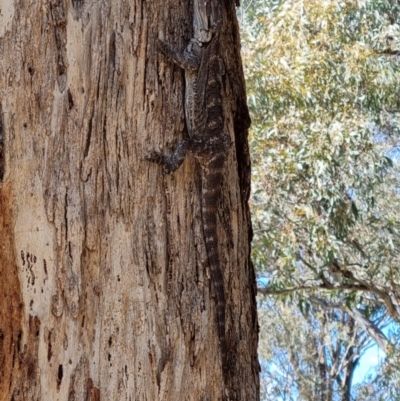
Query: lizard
x,y
204,116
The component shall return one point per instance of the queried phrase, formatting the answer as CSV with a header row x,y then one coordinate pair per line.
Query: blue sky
x,y
369,361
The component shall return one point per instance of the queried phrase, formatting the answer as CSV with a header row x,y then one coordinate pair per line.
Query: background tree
x,y
323,85
314,354
104,287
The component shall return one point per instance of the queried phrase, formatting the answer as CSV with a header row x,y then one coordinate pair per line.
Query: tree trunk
x,y
105,288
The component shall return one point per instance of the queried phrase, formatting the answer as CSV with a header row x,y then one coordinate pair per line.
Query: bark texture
x,y
105,290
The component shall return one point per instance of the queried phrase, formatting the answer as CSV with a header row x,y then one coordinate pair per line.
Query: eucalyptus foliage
x,y
323,85
324,97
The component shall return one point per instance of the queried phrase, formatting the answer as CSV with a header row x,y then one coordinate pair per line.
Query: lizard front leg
x,y
170,162
188,58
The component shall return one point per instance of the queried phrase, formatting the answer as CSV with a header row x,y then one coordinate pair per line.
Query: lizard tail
x,y
211,189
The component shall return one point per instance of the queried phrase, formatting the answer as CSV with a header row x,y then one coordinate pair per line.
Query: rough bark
x,y
105,289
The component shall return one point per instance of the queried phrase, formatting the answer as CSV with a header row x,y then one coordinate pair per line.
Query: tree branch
x,y
369,327
325,286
